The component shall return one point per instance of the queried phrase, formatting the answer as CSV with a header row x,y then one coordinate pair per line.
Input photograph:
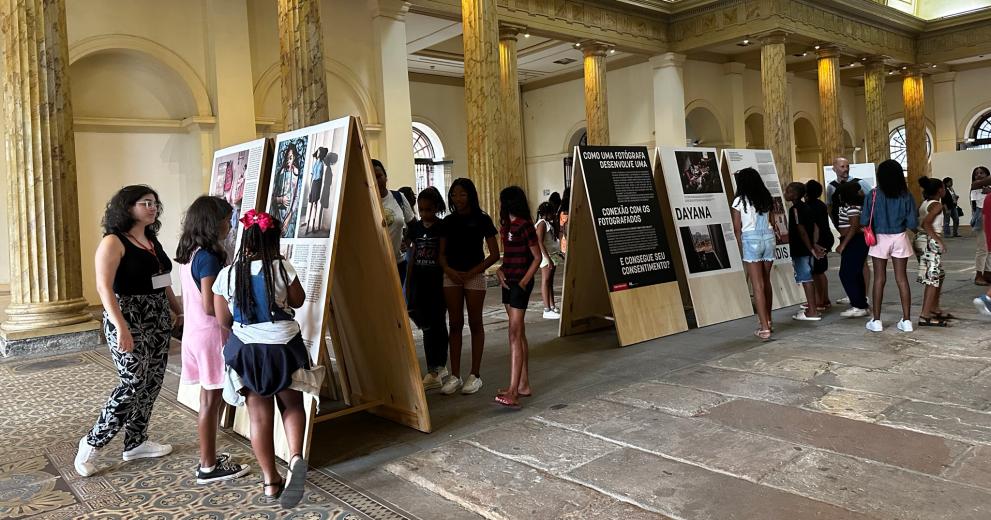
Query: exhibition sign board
x,y
320,173
695,197
619,266
237,173
785,291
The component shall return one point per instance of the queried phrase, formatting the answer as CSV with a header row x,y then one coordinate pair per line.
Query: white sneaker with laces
x,y
854,312
550,314
85,458
148,450
472,385
442,373
431,381
451,385
905,325
845,299
874,326
981,305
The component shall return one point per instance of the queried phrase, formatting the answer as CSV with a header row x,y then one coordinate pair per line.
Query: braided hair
x,y
257,245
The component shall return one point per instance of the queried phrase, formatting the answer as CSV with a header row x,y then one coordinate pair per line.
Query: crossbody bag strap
x,y
870,221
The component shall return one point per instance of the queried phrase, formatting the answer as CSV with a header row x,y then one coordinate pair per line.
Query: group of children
x,y
446,276
872,224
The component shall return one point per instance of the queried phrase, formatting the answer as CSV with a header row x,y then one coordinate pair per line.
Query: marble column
x,y
596,107
829,103
304,78
778,130
46,286
515,159
913,96
733,72
944,111
669,99
875,76
483,100
395,150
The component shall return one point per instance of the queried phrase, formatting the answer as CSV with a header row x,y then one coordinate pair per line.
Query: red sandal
x,y
505,401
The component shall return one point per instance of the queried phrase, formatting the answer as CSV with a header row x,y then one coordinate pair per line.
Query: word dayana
x,y
694,212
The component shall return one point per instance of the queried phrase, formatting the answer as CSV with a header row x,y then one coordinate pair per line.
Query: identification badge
x,y
161,281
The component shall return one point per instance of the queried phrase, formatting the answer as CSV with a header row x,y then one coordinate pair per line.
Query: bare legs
x,y
261,410
519,380
208,420
457,298
547,285
901,278
822,289
810,299
760,274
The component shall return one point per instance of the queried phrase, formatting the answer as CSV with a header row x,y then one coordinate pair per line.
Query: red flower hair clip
x,y
259,218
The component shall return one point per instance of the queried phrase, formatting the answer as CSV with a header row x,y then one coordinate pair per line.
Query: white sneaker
x,y
550,314
854,312
874,326
905,326
442,373
472,385
85,458
557,310
148,450
431,381
451,385
982,307
845,299
803,317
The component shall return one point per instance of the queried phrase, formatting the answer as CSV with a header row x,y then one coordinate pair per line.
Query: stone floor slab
x,y
542,446
952,369
741,384
699,441
931,389
903,448
837,353
859,406
973,468
690,492
949,421
776,365
676,400
880,491
582,415
501,489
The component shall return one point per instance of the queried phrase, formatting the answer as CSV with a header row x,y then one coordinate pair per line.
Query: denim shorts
x,y
758,247
803,268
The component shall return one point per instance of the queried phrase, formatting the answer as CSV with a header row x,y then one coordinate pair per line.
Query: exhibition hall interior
x,y
623,376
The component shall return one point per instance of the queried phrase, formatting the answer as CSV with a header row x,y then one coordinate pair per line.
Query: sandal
x,y
504,391
763,334
945,316
934,321
295,482
505,401
280,484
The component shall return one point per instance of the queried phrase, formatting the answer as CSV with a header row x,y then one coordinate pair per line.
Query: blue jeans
x,y
803,268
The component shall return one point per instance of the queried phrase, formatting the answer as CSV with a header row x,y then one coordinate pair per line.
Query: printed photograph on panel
x,y
699,172
779,221
287,184
705,248
323,169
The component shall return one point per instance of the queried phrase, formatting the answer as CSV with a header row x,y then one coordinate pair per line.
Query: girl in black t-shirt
x,y
464,263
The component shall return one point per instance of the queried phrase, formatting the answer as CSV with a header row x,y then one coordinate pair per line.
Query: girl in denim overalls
x,y
752,224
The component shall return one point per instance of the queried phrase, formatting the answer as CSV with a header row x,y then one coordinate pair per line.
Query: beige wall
x,y
442,108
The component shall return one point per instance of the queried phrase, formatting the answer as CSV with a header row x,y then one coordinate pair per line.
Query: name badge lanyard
x,y
150,250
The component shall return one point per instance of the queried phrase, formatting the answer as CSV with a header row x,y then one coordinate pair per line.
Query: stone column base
x,y
55,340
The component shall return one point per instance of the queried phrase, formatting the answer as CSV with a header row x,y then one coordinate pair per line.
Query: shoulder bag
x,y
869,238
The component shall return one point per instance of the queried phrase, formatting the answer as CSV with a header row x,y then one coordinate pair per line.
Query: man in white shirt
x,y
841,167
397,214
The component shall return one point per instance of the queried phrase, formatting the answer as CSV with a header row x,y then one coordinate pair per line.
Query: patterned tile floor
x,y
47,404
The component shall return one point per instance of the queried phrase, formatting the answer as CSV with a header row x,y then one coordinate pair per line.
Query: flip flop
x,y
503,391
933,321
507,402
763,334
944,316
295,483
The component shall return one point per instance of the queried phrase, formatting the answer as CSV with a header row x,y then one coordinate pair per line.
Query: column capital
x,y
510,31
668,59
595,48
944,77
772,37
910,71
734,67
827,51
395,9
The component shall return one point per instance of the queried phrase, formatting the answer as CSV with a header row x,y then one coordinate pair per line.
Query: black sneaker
x,y
224,469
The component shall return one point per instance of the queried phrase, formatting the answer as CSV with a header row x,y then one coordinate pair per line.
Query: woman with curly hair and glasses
x,y
133,278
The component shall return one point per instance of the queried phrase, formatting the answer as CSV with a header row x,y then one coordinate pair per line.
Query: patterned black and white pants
x,y
141,371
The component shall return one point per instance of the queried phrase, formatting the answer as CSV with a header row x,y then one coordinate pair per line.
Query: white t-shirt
x,y
265,332
978,197
396,217
748,215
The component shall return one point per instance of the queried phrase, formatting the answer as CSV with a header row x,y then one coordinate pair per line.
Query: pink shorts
x,y
475,283
203,358
892,246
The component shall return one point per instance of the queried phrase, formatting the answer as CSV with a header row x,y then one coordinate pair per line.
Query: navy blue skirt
x,y
266,369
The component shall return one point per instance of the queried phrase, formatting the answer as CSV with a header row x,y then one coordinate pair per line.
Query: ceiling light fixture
x,y
526,35
816,47
746,42
934,65
613,51
578,45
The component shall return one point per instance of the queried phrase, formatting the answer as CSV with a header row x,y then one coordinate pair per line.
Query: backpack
x,y
834,201
400,198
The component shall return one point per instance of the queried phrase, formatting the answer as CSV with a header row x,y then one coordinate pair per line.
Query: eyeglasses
x,y
149,204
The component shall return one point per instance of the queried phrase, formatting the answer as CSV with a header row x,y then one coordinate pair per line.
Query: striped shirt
x,y
845,213
517,237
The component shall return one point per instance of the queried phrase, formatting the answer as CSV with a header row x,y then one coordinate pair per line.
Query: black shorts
x,y
820,265
516,296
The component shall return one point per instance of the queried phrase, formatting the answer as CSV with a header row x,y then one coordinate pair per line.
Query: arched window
x,y
981,133
899,146
422,147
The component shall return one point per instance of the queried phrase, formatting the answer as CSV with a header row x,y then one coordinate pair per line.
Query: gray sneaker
x,y
451,384
472,385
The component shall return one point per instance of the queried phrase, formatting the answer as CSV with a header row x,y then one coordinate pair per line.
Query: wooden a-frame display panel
x,y
639,314
366,318
716,296
784,291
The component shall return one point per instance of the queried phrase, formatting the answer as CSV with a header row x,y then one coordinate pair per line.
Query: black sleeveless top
x,y
138,266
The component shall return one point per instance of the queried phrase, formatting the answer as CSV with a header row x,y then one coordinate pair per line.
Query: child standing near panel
x,y
255,296
425,285
520,262
550,257
751,210
929,247
202,255
824,238
802,231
